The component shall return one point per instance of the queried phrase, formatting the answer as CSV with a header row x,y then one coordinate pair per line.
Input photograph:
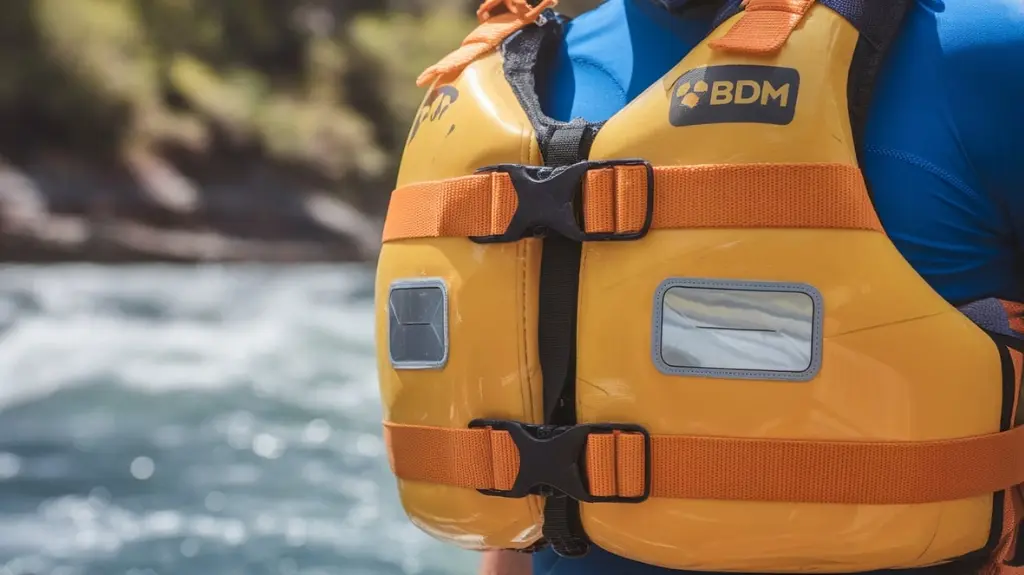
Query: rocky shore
x,y
59,209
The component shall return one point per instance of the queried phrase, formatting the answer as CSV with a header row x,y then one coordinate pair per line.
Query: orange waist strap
x,y
616,200
630,465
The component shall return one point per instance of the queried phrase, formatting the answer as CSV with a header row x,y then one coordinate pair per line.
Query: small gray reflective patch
x,y
737,329
418,324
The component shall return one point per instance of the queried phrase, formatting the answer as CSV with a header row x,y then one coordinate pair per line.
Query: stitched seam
x,y
918,161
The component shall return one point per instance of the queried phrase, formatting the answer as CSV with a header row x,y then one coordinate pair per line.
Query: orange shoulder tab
x,y
491,32
764,27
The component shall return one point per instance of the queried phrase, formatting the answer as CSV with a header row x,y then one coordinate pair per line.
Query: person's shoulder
x,y
956,63
974,38
978,54
970,24
957,32
599,18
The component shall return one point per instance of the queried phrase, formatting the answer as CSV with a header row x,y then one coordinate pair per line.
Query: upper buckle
x,y
552,459
550,202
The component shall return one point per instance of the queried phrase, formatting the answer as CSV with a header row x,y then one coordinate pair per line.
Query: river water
x,y
197,421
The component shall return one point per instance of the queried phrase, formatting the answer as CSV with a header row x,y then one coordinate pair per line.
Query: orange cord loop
x,y
520,8
491,32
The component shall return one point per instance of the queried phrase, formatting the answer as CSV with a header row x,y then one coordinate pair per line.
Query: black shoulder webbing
x,y
559,288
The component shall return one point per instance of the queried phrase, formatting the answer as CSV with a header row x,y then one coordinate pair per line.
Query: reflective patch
x,y
418,324
737,329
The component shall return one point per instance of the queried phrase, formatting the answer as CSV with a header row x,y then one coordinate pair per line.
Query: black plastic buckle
x,y
552,459
550,202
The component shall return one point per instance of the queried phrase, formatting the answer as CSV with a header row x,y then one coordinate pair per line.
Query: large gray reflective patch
x,y
418,324
737,330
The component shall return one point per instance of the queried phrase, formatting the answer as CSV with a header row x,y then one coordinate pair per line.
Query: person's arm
x,y
982,42
943,147
505,563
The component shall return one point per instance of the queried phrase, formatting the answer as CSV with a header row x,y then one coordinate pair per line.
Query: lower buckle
x,y
552,459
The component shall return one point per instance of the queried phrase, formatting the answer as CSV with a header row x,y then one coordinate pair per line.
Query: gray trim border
x,y
739,285
411,283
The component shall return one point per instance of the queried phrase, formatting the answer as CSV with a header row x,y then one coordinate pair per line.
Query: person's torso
x,y
932,197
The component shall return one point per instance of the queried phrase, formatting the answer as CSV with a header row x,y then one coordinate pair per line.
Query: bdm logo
x,y
735,94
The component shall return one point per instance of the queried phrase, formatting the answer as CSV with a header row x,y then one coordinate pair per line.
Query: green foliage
x,y
325,85
303,83
403,46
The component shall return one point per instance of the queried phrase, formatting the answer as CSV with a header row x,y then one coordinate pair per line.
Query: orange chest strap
x,y
621,200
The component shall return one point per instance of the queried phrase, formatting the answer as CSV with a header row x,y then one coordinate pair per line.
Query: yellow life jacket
x,y
682,334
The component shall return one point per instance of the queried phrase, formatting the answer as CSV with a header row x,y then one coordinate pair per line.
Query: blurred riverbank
x,y
191,130
210,130
62,210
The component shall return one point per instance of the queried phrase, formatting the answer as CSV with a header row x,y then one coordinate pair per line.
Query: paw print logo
x,y
689,95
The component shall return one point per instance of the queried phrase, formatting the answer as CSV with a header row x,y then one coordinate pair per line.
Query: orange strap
x,y
764,26
682,467
1015,314
615,200
492,31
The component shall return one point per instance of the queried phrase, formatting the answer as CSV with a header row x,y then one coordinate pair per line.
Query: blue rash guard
x,y
944,137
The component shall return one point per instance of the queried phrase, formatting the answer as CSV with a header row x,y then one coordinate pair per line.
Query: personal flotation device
x,y
682,334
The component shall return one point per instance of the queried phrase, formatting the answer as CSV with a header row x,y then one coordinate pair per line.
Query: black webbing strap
x,y
556,332
561,143
559,288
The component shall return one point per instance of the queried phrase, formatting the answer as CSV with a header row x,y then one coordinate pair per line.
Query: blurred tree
x,y
323,86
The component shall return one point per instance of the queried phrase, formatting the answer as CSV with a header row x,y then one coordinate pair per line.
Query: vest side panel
x,y
490,368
